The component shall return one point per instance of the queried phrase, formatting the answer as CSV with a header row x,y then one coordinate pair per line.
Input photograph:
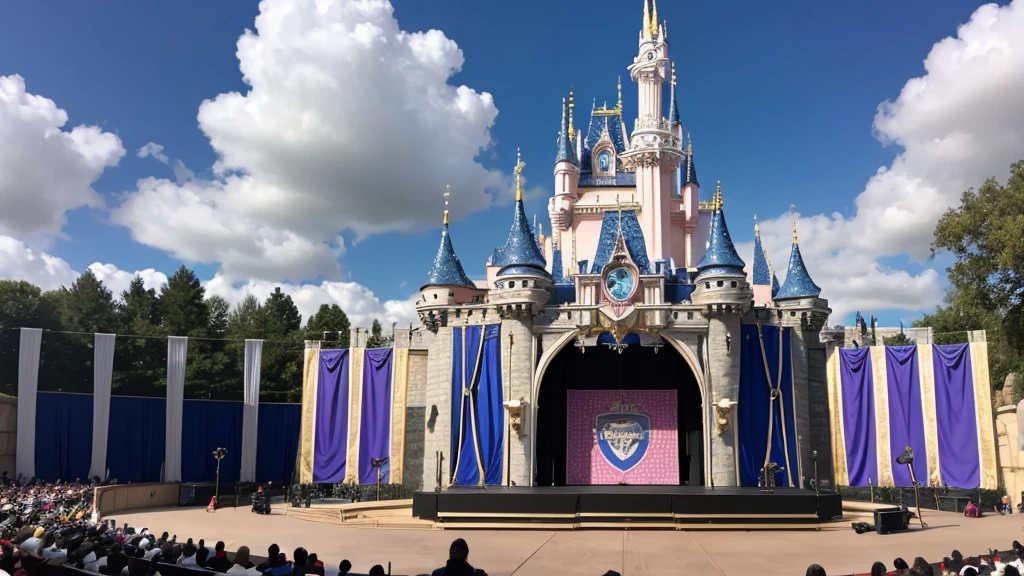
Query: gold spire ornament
x,y
757,227
647,17
794,230
618,86
447,193
572,130
654,18
718,197
519,176
673,74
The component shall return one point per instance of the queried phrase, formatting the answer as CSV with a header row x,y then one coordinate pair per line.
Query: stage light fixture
x,y
515,413
722,411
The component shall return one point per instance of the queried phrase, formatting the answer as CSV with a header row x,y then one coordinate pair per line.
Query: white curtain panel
x,y
177,352
28,384
251,408
102,378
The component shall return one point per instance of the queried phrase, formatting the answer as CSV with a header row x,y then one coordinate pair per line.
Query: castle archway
x,y
566,376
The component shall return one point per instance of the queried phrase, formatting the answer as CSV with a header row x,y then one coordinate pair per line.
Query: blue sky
x,y
780,99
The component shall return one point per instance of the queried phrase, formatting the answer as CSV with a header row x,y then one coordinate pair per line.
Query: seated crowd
x,y
1006,563
49,524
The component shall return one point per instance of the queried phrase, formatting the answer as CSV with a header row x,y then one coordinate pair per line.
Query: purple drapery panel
x,y
906,418
330,449
859,415
375,420
959,463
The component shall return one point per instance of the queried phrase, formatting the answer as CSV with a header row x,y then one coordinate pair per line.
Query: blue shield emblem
x,y
623,438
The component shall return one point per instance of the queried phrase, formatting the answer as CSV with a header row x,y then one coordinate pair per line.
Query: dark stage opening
x,y
602,368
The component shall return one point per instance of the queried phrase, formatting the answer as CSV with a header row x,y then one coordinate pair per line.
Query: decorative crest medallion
x,y
623,435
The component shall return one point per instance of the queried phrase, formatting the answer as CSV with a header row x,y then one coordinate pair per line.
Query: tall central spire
x,y
519,176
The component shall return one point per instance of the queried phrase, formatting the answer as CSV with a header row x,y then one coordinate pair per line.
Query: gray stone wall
x,y
437,409
517,365
412,463
724,372
8,434
801,393
819,413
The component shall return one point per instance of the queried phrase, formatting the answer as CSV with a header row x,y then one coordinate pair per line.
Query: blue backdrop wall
x,y
277,441
135,440
63,435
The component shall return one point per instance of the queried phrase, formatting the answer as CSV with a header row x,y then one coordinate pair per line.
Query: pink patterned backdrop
x,y
585,462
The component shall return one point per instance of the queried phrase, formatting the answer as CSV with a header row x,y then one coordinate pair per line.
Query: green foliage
x,y
987,278
377,339
900,339
329,318
143,318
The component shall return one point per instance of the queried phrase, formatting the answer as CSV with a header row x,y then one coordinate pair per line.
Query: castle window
x,y
675,315
707,284
689,315
721,283
733,283
511,283
792,314
435,296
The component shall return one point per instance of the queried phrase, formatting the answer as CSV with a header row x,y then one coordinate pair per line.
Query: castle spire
x,y
572,128
447,269
618,103
762,267
673,117
654,18
721,256
645,32
798,282
520,249
566,153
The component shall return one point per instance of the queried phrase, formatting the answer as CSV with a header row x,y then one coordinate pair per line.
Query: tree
x,y
182,301
900,339
140,357
22,305
329,318
987,278
88,306
377,339
283,310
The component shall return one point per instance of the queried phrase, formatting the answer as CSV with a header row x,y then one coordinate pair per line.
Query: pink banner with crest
x,y
622,437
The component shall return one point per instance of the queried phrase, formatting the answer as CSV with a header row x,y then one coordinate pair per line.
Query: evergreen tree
x,y
377,339
329,318
182,301
283,311
22,305
87,307
281,374
140,356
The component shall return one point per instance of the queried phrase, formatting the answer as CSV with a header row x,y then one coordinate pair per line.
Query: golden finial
x,y
447,193
673,73
519,174
718,197
654,18
757,227
618,105
794,230
689,143
572,130
647,17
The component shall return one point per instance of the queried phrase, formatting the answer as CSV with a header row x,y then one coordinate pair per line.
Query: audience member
x,y
314,565
458,562
878,569
299,558
272,555
815,570
242,565
219,562
344,568
921,567
377,570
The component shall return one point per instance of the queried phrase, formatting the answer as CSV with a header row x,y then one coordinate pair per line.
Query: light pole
x,y
218,455
379,463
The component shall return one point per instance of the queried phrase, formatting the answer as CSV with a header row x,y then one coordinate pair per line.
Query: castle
x,y
638,285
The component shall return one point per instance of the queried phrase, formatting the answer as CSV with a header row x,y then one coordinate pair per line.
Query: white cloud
x,y
118,281
19,262
349,123
959,124
154,150
45,170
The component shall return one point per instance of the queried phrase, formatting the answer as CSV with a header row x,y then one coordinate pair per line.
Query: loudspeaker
x,y
889,520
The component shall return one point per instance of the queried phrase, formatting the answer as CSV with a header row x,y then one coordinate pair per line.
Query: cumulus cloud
x,y
359,302
46,170
349,122
153,150
19,262
959,124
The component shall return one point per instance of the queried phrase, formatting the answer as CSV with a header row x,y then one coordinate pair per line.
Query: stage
x,y
678,507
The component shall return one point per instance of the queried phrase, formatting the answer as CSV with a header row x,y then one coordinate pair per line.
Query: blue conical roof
x,y
775,285
566,151
798,282
447,270
721,256
762,270
673,112
521,247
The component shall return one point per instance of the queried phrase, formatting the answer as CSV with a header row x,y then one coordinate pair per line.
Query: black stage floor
x,y
661,505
